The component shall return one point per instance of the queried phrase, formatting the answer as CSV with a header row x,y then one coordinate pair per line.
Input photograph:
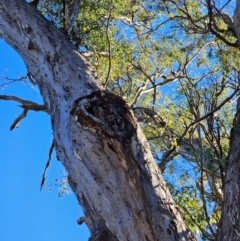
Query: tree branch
x,y
165,157
47,164
26,105
109,50
19,118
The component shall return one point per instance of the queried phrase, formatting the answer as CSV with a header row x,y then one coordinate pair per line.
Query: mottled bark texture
x,y
229,229
110,165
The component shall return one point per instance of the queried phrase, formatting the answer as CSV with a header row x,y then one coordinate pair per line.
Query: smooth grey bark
x,y
110,165
229,228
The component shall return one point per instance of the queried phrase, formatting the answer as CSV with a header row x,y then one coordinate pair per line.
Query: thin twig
x,y
10,81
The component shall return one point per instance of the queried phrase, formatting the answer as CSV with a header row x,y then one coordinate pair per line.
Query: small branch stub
x,y
81,220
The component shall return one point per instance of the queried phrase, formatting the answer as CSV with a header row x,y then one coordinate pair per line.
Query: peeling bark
x,y
110,165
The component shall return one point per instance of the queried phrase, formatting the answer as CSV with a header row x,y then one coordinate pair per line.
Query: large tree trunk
x,y
229,228
110,166
230,219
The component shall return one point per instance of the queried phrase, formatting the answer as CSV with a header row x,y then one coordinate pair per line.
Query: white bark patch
x,y
76,155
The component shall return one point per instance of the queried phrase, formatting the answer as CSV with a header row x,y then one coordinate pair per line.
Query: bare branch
x,y
143,89
109,50
47,164
198,52
19,118
138,93
25,103
10,81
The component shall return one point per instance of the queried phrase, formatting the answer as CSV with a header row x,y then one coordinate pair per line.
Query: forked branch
x,y
26,105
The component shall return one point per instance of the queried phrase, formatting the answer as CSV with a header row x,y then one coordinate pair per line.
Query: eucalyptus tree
x,y
175,65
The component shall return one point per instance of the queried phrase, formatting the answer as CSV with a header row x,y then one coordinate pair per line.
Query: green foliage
x,y
164,55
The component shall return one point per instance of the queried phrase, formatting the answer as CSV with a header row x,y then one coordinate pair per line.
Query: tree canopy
x,y
176,63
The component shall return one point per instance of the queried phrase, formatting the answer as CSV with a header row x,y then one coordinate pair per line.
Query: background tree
x,y
136,49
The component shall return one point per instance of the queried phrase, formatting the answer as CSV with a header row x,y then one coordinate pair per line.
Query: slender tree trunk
x,y
230,219
110,166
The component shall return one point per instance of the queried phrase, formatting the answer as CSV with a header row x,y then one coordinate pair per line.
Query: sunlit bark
x,y
110,166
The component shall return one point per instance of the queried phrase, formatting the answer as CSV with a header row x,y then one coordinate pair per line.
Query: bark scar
x,y
106,113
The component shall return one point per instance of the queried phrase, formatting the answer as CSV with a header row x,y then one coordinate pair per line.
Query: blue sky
x,y
26,213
